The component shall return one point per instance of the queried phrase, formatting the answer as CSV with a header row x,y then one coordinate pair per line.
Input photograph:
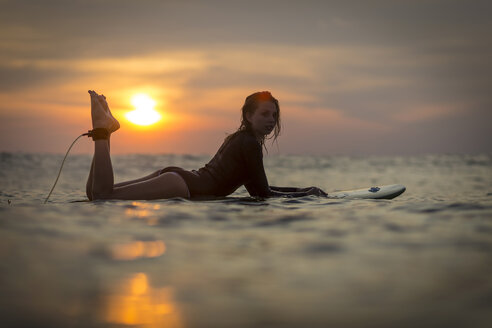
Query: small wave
x,y
217,218
292,201
433,208
323,248
335,233
468,206
484,229
395,227
474,245
253,201
284,220
173,219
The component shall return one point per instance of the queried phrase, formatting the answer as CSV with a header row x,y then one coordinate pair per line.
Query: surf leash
x,y
89,134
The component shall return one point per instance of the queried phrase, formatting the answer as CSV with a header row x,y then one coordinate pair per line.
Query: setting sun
x,y
144,113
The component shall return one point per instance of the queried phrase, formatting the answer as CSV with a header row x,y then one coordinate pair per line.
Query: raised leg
x,y
100,184
103,179
101,174
90,179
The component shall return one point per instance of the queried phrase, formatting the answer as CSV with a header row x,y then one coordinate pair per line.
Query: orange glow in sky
x,y
348,82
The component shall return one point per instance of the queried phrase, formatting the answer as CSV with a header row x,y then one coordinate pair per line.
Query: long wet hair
x,y
251,103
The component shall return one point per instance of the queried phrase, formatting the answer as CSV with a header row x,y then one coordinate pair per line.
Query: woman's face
x,y
263,119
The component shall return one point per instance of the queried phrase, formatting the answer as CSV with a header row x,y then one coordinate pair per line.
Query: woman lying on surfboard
x,y
239,161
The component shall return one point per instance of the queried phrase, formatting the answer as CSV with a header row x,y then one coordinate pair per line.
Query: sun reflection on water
x,y
135,302
143,210
138,249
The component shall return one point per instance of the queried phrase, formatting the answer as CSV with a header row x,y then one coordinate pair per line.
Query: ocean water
x,y
423,259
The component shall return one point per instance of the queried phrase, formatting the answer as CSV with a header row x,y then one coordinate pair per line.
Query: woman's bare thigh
x,y
167,185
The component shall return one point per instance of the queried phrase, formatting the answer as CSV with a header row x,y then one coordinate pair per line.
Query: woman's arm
x,y
252,156
284,189
296,192
288,191
258,184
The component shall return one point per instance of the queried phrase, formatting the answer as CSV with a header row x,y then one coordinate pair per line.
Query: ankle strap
x,y
98,134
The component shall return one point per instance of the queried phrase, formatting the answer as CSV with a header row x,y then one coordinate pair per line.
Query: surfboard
x,y
377,192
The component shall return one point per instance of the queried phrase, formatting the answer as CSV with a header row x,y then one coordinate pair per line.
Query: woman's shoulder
x,y
246,138
242,140
240,136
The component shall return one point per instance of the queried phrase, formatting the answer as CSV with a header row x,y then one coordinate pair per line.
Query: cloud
x,y
429,112
87,28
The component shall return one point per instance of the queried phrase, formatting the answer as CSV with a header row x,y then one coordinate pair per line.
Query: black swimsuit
x,y
239,161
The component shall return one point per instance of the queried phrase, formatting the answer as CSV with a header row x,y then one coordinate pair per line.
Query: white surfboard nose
x,y
375,192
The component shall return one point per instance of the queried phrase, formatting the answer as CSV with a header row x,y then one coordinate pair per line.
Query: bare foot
x,y
104,103
101,116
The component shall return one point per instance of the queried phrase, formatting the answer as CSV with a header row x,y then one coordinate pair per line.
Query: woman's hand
x,y
296,192
313,191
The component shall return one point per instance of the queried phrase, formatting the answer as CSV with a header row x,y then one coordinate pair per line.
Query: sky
x,y
352,77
